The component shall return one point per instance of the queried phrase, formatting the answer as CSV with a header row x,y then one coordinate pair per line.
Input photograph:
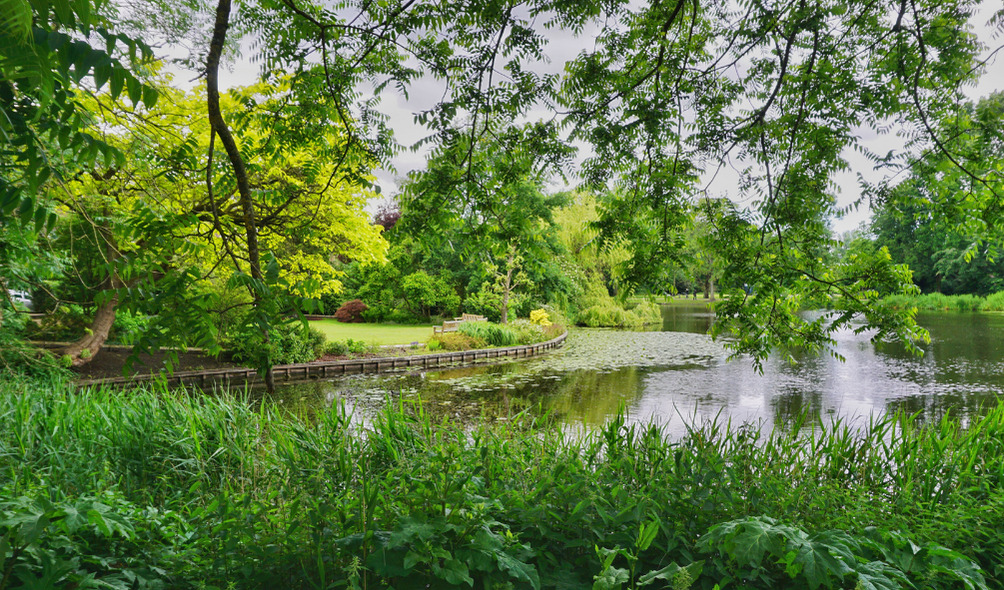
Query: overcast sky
x,y
563,46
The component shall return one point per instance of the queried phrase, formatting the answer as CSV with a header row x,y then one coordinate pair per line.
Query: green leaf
x,y
84,57
673,573
455,572
150,95
135,90
611,578
117,82
63,11
877,575
523,572
102,71
747,541
26,210
646,535
412,558
40,216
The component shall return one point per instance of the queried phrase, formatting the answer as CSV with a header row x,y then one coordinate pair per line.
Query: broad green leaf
x,y
646,535
134,89
523,572
455,572
611,578
118,78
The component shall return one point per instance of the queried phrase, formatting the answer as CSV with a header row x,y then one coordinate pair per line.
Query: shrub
x,y
128,327
177,491
376,313
455,341
484,302
648,312
968,302
609,316
401,316
350,346
493,334
527,332
337,348
357,346
942,302
553,331
351,312
540,317
994,302
288,343
426,294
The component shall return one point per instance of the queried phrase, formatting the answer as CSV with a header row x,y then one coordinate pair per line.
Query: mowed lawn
x,y
378,334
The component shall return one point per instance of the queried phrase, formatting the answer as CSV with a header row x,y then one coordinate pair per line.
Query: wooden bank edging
x,y
323,369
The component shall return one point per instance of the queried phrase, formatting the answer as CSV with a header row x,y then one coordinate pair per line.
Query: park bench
x,y
454,324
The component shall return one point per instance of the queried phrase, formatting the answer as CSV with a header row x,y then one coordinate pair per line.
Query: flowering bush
x,y
540,317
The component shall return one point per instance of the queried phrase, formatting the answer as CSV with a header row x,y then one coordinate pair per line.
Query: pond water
x,y
678,375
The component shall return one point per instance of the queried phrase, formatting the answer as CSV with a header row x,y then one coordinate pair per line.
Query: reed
x,y
151,488
940,302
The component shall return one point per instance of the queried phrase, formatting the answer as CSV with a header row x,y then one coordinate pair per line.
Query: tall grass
x,y
184,492
493,334
940,302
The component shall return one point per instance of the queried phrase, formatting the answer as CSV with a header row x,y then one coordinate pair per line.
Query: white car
x,y
22,297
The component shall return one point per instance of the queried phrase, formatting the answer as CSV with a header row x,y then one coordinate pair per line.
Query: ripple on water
x,y
678,376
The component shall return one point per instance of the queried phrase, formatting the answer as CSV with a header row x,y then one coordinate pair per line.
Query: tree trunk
x,y
82,351
507,286
711,288
240,171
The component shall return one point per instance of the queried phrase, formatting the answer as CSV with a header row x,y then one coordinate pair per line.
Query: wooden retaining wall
x,y
323,369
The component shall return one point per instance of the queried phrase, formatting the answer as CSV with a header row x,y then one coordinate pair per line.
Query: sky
x,y
563,46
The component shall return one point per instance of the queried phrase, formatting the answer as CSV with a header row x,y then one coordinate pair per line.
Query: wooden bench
x,y
454,324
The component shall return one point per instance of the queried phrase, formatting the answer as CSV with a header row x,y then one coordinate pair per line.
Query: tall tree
x,y
777,91
669,91
490,195
944,218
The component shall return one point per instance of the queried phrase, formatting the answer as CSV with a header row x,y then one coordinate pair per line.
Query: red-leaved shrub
x,y
351,312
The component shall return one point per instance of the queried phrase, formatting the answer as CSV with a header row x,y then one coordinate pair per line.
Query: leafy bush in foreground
x,y
140,489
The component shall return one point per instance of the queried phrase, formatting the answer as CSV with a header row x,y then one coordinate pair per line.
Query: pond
x,y
678,375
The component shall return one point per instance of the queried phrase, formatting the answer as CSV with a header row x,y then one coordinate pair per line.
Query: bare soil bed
x,y
112,363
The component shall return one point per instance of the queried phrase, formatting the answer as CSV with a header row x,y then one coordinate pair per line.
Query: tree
x,y
150,237
668,91
491,194
46,51
777,91
944,218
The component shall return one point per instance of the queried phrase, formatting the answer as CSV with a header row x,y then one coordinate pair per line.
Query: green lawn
x,y
378,334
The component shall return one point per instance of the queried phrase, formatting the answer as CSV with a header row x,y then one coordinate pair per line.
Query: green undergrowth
x,y
475,335
940,302
137,489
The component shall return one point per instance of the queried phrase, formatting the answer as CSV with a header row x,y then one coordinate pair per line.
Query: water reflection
x,y
679,375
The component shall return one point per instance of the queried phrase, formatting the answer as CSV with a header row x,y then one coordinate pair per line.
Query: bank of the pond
x,y
241,376
172,491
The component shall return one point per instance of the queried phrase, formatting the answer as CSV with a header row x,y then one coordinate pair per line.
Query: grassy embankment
x,y
939,302
137,489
